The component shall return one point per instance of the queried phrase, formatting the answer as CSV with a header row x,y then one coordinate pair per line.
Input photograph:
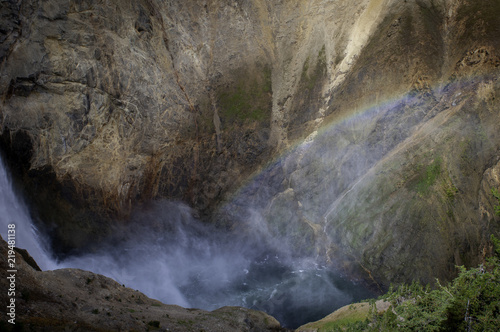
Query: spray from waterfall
x,y
169,255
13,211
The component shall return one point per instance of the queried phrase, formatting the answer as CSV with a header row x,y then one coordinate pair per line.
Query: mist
x,y
169,255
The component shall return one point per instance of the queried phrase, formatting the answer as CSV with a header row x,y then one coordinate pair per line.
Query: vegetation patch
x,y
250,99
428,176
496,194
309,78
451,191
351,317
471,302
185,322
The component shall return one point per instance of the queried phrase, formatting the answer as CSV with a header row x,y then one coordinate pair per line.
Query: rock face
x,y
372,125
111,104
76,300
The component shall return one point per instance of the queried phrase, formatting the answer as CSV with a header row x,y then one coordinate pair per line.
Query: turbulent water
x,y
169,255
14,211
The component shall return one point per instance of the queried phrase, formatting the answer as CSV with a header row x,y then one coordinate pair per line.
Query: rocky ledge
x,y
77,300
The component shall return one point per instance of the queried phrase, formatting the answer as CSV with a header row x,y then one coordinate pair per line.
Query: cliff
x,y
365,132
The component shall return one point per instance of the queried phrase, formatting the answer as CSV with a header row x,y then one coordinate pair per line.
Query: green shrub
x,y
428,178
497,196
471,302
250,99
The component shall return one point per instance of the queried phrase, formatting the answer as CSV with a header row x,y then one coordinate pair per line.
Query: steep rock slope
x,y
396,183
106,105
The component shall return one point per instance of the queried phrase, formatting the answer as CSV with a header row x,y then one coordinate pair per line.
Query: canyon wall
x,y
363,132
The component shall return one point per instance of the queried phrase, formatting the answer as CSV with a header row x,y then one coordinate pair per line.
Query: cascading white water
x,y
168,255
14,211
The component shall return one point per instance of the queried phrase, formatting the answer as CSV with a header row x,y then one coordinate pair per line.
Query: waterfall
x,y
14,211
